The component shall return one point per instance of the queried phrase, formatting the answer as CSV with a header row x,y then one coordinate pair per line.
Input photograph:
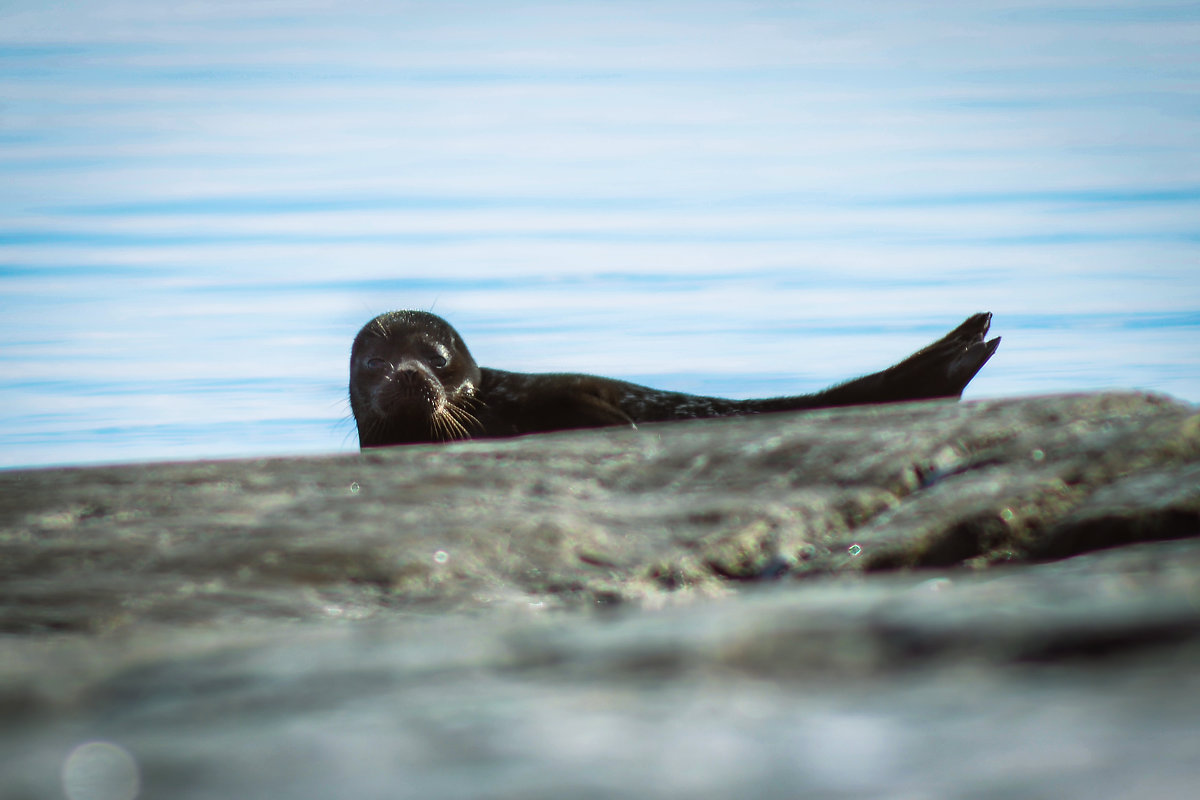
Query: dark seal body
x,y
412,380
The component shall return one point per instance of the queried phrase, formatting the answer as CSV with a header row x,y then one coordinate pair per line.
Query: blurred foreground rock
x,y
996,599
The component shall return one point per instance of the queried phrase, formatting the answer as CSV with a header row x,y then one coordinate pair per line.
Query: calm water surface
x,y
200,203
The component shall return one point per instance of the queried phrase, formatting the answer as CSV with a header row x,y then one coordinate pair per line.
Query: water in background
x,y
201,202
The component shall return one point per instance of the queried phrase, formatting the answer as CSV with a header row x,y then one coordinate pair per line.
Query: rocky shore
x,y
990,599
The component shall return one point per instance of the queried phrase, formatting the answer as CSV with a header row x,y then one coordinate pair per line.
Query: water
x,y
200,203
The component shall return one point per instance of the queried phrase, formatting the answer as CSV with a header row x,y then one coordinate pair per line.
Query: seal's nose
x,y
406,365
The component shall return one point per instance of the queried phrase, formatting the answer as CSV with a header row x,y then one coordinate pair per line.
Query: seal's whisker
x,y
462,417
451,428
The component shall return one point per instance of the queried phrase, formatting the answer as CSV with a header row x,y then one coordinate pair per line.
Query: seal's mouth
x,y
408,392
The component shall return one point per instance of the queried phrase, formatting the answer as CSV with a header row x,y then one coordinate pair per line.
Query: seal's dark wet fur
x,y
412,380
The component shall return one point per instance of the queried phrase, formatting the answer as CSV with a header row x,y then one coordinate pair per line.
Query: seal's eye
x,y
375,363
437,361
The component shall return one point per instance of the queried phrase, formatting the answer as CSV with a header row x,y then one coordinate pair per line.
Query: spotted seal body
x,y
412,380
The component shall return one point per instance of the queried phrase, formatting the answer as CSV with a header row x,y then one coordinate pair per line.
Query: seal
x,y
412,381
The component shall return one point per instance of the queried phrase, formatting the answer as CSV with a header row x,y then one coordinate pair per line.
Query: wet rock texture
x,y
992,599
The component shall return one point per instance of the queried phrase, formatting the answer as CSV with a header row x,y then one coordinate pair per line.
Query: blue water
x,y
201,202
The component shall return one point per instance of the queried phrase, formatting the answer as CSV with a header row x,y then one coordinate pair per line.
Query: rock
x,y
997,599
576,519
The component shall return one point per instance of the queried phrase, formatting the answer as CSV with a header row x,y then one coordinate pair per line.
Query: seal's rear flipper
x,y
943,369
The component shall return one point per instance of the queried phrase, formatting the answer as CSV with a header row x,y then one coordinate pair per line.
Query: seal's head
x,y
411,380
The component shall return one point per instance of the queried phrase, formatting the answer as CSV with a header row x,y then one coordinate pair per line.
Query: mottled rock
x,y
994,599
598,517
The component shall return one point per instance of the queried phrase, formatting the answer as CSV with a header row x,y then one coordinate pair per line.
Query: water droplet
x,y
354,487
854,550
1007,515
100,771
1037,455
441,556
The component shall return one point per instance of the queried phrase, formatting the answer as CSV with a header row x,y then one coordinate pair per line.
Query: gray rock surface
x,y
993,599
